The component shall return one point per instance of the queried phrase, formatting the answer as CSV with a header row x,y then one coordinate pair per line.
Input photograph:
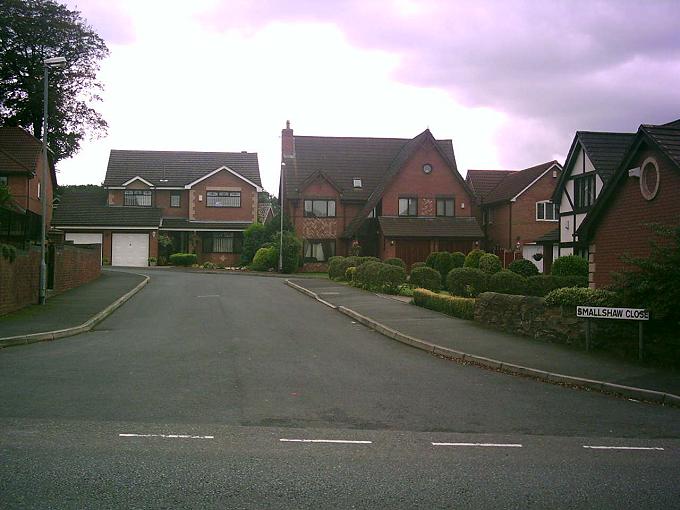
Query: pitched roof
x,y
177,168
460,227
263,210
88,208
483,181
512,183
551,237
184,224
344,158
20,152
665,137
604,150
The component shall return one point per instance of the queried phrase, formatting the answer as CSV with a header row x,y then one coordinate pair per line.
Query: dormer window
x,y
138,197
356,182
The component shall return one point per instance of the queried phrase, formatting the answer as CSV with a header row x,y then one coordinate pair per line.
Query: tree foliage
x,y
30,32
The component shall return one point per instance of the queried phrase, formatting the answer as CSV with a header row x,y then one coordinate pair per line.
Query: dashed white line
x,y
341,441
209,295
591,447
168,436
483,445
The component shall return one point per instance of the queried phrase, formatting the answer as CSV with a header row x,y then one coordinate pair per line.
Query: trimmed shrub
x,y
463,308
265,259
396,262
472,258
254,238
429,261
574,281
334,267
458,259
507,282
418,264
570,265
208,265
292,250
335,257
391,277
366,275
183,259
490,263
443,263
342,266
542,284
426,278
363,260
523,267
466,281
577,296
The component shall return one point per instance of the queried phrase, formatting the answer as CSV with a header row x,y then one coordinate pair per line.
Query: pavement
x,y
71,309
493,347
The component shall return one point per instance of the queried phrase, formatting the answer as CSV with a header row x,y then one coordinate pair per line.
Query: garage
x,y
130,250
85,238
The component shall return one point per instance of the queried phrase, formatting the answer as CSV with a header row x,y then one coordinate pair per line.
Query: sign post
x,y
603,312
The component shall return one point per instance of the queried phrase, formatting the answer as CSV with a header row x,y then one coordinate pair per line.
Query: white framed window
x,y
649,179
547,211
356,182
318,250
175,200
223,199
408,206
137,197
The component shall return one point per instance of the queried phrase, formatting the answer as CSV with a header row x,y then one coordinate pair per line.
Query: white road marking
x,y
341,441
209,295
329,293
169,436
485,445
622,447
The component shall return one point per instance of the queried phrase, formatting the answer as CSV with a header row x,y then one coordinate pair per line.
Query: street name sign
x,y
602,312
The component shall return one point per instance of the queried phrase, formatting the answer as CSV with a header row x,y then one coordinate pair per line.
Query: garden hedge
x,y
463,308
183,259
426,278
472,258
265,259
574,296
490,263
570,265
507,282
523,267
396,262
466,281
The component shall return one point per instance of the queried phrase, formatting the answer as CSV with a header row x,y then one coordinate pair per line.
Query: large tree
x,y
30,32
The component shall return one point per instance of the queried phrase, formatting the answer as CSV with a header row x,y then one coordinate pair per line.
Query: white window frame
x,y
356,182
215,198
545,204
179,200
137,193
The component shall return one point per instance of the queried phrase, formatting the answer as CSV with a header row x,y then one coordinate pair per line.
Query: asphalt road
x,y
181,399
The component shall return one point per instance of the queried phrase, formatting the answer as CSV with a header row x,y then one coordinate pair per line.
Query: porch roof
x,y
185,224
431,227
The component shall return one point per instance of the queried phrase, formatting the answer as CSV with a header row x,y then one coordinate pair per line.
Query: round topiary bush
x,y
396,262
342,266
542,284
443,263
490,263
390,277
507,282
363,260
523,267
334,267
431,258
472,258
573,281
418,264
570,265
466,281
265,259
366,275
458,259
426,278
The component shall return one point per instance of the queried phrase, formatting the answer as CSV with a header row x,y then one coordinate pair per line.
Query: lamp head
x,y
55,62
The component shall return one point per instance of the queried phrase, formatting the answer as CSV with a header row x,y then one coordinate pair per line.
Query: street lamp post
x,y
44,175
281,214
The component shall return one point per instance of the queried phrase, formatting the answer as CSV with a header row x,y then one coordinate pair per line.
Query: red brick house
x,y
644,189
21,165
516,209
201,201
394,197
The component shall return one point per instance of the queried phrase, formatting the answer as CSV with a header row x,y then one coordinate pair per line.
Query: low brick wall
x,y
529,316
75,265
19,280
314,267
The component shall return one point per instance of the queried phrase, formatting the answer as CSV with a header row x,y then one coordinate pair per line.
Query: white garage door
x,y
82,238
130,250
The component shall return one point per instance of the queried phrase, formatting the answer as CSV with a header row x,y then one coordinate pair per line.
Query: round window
x,y
427,168
649,179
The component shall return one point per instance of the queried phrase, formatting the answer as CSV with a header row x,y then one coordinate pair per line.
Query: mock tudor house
x,y
591,162
21,165
393,197
644,189
516,210
201,202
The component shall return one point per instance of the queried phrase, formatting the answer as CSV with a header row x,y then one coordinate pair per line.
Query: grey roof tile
x,y
185,224
89,208
459,227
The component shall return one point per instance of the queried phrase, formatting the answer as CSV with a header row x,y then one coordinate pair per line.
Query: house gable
x,y
223,181
136,180
226,169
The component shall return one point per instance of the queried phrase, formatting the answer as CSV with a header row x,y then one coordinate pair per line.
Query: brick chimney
x,y
287,142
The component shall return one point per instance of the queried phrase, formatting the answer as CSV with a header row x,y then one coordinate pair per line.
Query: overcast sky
x,y
509,81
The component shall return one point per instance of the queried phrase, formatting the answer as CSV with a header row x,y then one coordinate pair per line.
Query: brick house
x,y
516,210
644,189
394,197
21,165
201,201
591,161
